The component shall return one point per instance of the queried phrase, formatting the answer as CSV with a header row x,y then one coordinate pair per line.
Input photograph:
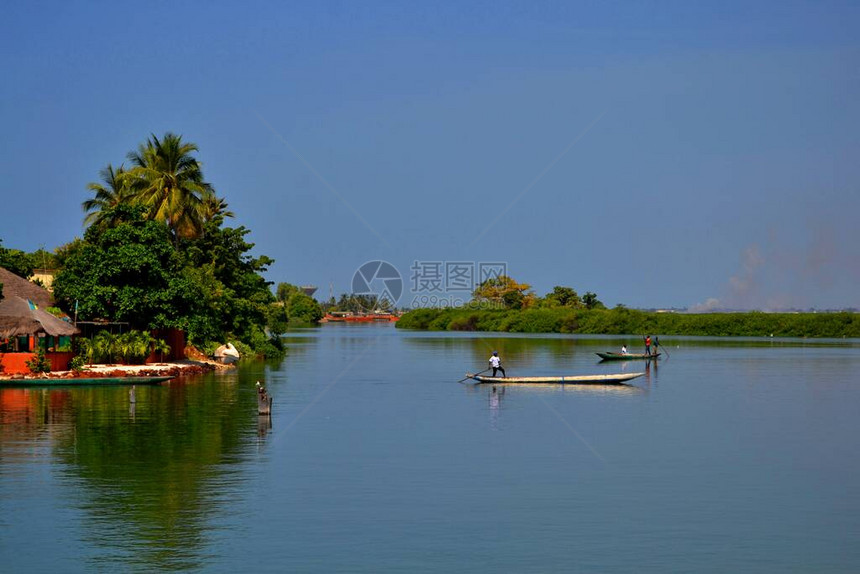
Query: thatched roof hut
x,y
17,317
14,286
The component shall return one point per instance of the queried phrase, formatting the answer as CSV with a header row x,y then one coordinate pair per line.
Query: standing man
x,y
648,345
496,363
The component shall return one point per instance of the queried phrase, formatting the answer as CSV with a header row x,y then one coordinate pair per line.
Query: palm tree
x,y
168,181
213,206
111,192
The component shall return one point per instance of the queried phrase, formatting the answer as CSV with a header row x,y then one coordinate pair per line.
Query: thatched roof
x,y
17,318
14,286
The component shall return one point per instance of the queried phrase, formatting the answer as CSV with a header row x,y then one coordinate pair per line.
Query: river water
x,y
728,455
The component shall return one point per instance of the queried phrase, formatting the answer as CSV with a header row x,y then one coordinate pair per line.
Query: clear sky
x,y
666,154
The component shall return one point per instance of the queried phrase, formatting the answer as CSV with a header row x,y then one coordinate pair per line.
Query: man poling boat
x,y
496,363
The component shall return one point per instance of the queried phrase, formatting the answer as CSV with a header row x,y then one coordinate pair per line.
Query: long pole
x,y
659,346
470,376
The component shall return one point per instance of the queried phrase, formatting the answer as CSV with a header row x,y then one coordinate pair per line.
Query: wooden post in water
x,y
264,401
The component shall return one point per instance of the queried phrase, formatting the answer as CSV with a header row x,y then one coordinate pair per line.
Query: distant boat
x,y
613,379
626,356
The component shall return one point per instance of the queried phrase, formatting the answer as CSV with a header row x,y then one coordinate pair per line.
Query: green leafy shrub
x,y
39,363
131,347
77,363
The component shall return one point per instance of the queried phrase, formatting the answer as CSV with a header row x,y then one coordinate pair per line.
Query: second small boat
x,y
627,356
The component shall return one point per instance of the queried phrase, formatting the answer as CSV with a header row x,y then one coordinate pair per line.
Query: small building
x,y
26,326
45,277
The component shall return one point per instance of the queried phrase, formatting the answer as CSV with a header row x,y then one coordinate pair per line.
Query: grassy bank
x,y
629,321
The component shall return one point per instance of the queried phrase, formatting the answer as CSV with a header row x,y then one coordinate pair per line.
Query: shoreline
x,y
185,367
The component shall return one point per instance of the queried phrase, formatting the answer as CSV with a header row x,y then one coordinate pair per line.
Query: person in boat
x,y
656,344
496,363
648,344
623,349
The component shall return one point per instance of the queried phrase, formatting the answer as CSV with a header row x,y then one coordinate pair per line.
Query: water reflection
x,y
146,464
495,396
571,389
264,425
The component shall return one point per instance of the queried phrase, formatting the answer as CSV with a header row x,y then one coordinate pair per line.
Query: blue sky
x,y
658,154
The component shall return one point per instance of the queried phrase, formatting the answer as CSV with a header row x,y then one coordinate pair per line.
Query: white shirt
x,y
495,361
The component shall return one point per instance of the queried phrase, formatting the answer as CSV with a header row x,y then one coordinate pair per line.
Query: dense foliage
x,y
133,271
504,293
129,272
18,262
293,308
628,321
157,254
131,347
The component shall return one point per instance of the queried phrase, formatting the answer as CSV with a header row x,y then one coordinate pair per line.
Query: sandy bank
x,y
184,367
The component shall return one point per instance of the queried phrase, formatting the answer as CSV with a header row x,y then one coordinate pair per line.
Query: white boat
x,y
227,354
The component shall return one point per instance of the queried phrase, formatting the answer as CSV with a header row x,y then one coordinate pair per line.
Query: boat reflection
x,y
591,389
616,389
494,397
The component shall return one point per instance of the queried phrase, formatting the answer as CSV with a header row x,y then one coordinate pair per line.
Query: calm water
x,y
732,455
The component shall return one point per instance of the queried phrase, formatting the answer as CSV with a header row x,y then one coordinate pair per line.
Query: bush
x,y
132,347
77,363
39,363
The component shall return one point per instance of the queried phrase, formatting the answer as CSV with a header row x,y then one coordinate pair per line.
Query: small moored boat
x,y
613,379
227,354
100,381
626,356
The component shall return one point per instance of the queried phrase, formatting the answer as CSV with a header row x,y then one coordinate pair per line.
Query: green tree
x,y
17,261
293,307
65,251
112,191
130,272
44,259
214,206
168,180
505,292
234,294
591,302
284,291
563,297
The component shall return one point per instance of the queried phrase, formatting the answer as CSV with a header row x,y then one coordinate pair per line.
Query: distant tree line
x,y
623,321
503,304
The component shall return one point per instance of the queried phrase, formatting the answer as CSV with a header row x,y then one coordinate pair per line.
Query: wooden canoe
x,y
613,379
102,381
627,357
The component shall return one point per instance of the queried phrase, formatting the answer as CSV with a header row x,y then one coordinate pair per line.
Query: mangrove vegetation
x,y
504,305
